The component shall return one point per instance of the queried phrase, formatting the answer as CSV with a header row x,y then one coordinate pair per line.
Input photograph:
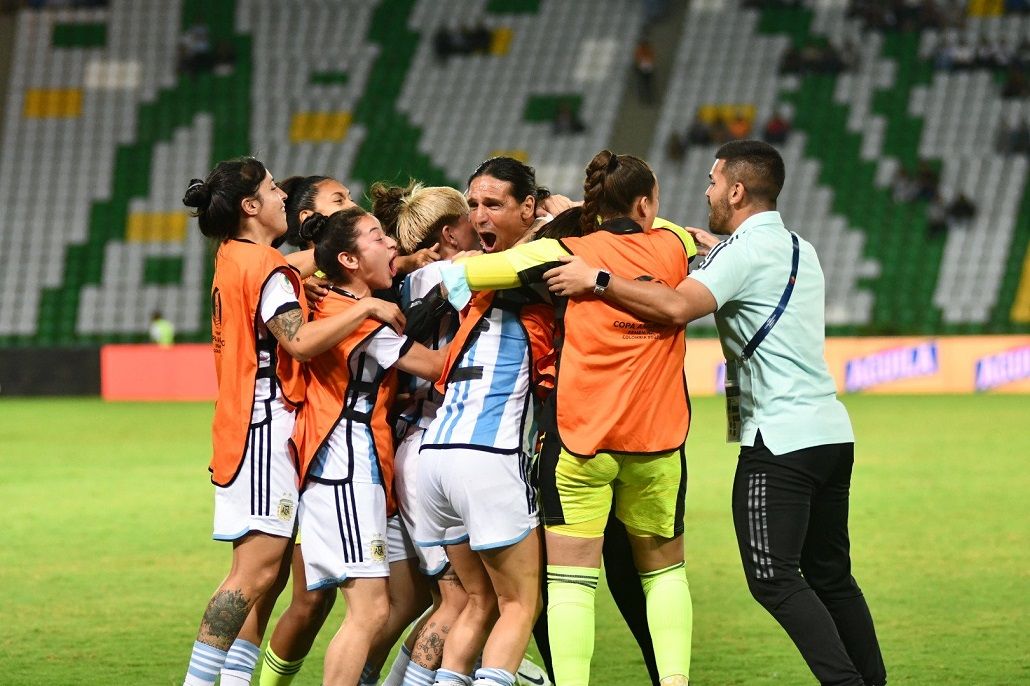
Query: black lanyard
x,y
756,340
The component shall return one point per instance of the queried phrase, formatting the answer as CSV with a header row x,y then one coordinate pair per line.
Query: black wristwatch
x,y
601,281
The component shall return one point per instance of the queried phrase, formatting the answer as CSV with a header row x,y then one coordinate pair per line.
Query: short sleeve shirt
x,y
277,297
786,390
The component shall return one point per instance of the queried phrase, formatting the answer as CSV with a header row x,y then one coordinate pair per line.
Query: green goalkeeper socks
x,y
570,621
276,671
670,617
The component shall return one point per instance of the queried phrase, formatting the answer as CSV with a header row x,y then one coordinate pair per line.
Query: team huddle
x,y
409,395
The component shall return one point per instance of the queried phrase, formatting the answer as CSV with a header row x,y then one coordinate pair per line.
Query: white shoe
x,y
529,674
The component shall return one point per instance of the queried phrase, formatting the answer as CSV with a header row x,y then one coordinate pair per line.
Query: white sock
x,y
240,662
400,665
205,661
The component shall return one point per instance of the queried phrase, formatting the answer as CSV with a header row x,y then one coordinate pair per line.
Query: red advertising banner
x,y
154,372
955,364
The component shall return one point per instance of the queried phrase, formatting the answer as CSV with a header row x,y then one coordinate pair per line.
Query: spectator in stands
x,y
739,127
936,217
961,211
719,129
1014,138
1016,85
478,38
675,147
904,187
442,44
464,40
566,120
643,67
194,52
699,132
942,55
963,56
1017,138
224,57
927,179
161,330
776,129
790,63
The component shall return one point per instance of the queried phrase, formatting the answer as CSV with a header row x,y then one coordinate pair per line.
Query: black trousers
x,y
627,591
790,513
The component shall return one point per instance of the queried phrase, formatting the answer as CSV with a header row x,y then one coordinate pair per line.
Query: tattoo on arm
x,y
224,618
286,325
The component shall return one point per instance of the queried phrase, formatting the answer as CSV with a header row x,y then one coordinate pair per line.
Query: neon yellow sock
x,y
570,621
670,616
276,671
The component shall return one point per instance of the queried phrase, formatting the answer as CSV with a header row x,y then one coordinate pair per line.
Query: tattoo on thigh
x,y
224,618
286,324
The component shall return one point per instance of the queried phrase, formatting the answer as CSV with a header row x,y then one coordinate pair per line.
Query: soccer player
x,y
423,218
259,334
343,441
790,492
474,495
615,427
296,629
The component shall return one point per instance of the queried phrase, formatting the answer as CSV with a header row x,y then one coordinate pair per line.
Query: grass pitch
x,y
107,561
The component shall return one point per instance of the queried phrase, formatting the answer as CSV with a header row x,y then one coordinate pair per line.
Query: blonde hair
x,y
421,212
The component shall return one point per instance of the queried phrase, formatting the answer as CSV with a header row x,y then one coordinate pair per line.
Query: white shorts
x,y
398,542
476,495
343,533
263,496
432,560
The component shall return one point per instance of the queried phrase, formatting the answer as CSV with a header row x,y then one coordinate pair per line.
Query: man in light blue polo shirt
x,y
790,492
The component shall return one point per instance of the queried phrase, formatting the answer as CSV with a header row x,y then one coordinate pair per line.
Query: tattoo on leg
x,y
428,650
224,618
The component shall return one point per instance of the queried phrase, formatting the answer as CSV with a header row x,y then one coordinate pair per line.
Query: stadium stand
x,y
109,110
853,131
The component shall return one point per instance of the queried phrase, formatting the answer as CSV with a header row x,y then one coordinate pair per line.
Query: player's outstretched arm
x,y
304,340
653,302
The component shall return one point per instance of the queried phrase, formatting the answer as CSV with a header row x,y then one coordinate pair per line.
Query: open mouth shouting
x,y
489,240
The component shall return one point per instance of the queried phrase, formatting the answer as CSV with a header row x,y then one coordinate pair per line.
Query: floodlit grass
x,y
107,561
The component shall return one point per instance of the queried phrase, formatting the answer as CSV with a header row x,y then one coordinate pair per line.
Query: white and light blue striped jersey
x,y
488,404
426,400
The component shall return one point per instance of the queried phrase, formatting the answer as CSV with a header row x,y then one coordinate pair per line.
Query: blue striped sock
x,y
205,663
417,675
491,676
445,677
240,662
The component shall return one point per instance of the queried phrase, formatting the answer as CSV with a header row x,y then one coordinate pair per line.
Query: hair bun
x,y
197,195
613,162
312,228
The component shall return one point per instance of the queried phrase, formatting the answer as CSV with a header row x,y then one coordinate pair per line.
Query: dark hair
x,y
757,165
613,182
566,224
217,198
521,176
387,203
300,195
332,235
